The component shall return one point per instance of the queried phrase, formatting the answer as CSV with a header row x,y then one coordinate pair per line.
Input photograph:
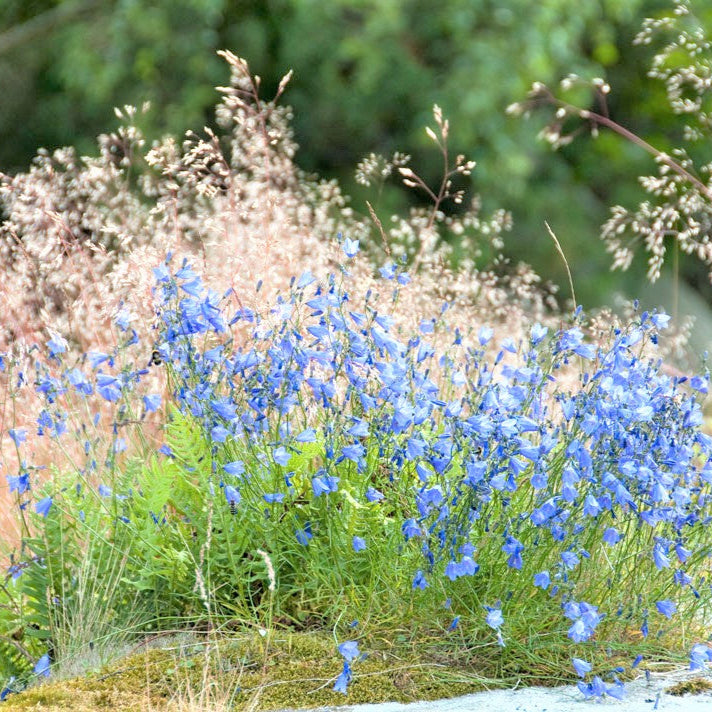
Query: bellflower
x,y
19,483
232,495
349,650
494,618
581,667
700,655
542,580
43,506
235,468
358,543
419,580
42,666
18,435
343,680
666,607
56,345
351,247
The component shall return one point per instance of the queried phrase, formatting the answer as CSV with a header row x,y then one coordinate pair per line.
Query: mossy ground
x,y
695,686
297,670
290,670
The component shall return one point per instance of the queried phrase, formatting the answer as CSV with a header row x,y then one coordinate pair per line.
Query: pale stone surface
x,y
641,696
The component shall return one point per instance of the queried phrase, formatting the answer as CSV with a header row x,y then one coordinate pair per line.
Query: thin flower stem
x,y
599,119
566,263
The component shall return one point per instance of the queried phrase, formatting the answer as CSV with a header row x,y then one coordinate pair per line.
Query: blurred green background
x,y
366,74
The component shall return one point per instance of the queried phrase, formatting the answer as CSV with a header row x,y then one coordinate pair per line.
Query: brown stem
x,y
596,118
443,186
20,648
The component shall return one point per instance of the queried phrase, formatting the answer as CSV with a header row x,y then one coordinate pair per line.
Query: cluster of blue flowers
x,y
501,463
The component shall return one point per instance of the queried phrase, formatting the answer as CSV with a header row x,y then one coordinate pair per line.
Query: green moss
x,y
695,686
290,670
302,673
126,685
298,670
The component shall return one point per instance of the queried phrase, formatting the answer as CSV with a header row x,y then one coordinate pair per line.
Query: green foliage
x,y
209,558
174,553
105,567
21,609
72,595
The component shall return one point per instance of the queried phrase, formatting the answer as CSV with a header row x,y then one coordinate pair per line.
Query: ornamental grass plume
x,y
79,233
677,212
